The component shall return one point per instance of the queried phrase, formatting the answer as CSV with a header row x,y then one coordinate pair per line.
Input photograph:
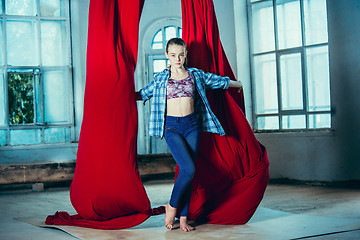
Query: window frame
x,y
39,71
278,53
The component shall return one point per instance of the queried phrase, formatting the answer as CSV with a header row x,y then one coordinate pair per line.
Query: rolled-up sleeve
x,y
147,92
214,81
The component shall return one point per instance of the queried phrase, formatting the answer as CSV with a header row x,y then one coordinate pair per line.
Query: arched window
x,y
158,60
154,61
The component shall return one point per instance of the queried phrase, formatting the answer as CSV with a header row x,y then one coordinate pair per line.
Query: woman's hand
x,y
138,96
236,84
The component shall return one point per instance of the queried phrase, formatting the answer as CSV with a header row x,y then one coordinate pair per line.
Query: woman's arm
x,y
236,84
145,93
211,80
215,81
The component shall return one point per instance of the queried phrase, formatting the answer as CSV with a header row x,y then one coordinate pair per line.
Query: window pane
x,y
180,32
159,65
170,32
319,121
21,98
56,135
315,21
263,27
158,37
157,42
21,43
157,46
39,99
52,8
1,43
265,84
20,7
267,123
1,7
3,137
20,137
293,122
318,78
2,98
53,43
289,23
56,98
291,82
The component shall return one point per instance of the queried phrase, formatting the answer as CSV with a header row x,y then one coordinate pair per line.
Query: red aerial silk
x,y
107,191
232,170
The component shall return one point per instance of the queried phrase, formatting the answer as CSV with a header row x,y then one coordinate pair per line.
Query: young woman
x,y
179,112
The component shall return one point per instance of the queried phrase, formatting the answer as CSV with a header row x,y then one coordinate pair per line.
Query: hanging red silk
x,y
232,170
107,191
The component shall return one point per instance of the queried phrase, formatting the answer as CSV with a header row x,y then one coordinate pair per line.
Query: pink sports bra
x,y
180,88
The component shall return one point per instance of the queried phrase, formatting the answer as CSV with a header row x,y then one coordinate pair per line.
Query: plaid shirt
x,y
203,81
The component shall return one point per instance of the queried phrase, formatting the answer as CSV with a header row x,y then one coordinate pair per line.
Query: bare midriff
x,y
180,107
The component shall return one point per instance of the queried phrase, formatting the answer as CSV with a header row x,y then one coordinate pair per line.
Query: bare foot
x,y
184,225
170,214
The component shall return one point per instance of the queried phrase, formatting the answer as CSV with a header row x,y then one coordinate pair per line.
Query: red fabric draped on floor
x,y
107,191
232,170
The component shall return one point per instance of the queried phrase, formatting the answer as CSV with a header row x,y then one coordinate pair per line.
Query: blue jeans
x,y
182,136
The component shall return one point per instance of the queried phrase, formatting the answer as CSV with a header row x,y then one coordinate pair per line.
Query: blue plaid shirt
x,y
203,81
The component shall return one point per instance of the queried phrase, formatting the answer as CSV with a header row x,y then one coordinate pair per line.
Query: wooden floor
x,y
286,212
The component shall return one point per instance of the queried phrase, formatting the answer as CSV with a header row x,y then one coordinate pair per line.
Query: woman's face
x,y
176,55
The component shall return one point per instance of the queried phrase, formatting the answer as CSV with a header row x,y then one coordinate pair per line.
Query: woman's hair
x,y
175,41
179,42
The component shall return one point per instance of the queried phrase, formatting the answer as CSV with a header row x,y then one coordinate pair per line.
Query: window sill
x,y
38,146
302,132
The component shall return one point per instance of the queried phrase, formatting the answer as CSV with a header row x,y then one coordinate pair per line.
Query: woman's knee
x,y
187,172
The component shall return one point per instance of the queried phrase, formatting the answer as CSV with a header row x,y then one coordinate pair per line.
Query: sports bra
x,y
180,88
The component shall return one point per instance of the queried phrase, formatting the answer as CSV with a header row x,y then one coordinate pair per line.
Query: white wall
x,y
79,26
224,10
243,54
